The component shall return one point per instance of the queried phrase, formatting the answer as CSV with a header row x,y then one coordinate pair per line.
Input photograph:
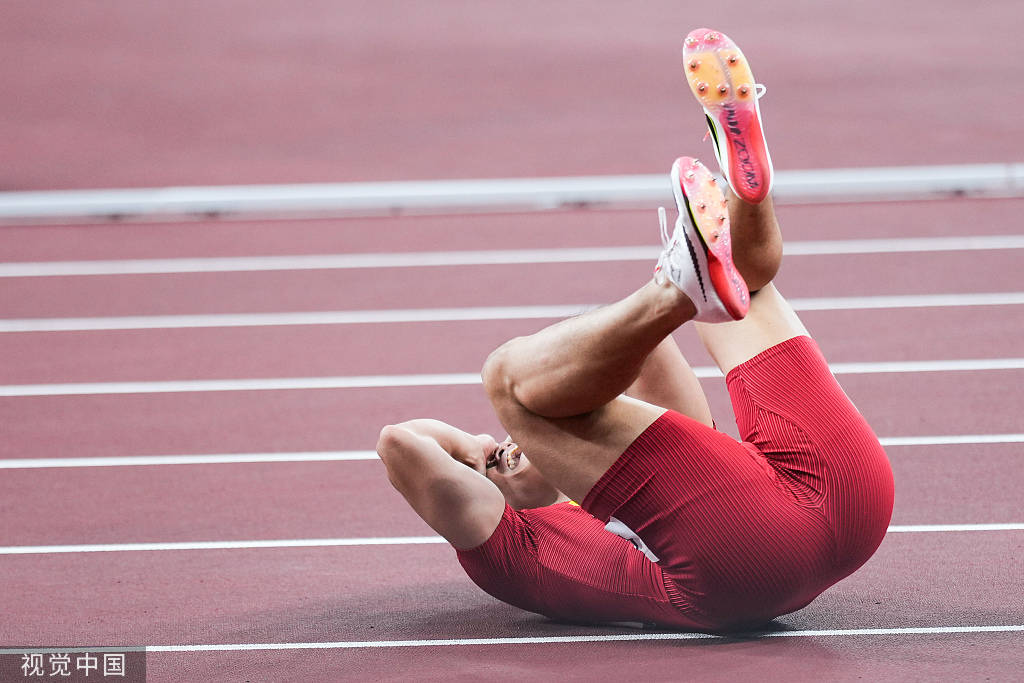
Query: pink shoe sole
x,y
698,196
721,80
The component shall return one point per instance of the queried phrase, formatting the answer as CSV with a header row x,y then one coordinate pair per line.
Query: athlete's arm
x,y
418,445
458,502
469,449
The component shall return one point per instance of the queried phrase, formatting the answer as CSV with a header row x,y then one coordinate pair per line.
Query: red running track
x,y
227,93
239,502
336,594
454,347
361,91
475,286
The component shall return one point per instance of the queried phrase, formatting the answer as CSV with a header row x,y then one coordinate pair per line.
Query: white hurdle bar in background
x,y
438,196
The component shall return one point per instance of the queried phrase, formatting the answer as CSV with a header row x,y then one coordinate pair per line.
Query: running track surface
x,y
579,100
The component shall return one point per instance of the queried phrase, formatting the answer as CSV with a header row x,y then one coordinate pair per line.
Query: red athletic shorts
x,y
744,531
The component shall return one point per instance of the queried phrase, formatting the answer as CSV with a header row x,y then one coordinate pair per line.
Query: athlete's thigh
x,y
574,452
667,380
770,321
684,488
789,405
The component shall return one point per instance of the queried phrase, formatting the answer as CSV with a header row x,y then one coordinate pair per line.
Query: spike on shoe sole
x,y
694,187
720,78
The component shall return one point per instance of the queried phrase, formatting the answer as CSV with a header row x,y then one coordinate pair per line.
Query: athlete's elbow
x,y
392,444
392,439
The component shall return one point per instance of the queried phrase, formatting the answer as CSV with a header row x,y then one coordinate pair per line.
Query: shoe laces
x,y
663,225
666,243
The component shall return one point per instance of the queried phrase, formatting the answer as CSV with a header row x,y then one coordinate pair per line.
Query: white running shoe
x,y
698,257
721,80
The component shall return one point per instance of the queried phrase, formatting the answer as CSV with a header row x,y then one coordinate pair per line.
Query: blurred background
x,y
199,92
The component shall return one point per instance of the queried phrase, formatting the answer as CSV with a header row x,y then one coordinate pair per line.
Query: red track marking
x,y
415,592
412,348
412,93
258,421
835,275
541,230
318,499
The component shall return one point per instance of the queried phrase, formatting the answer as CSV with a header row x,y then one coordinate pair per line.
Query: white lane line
x,y
430,380
906,301
203,459
951,439
330,261
592,638
465,314
932,528
217,545
476,258
927,366
815,185
269,384
903,245
542,640
396,540
349,456
152,322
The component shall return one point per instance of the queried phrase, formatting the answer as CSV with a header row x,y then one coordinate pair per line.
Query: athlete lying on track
x,y
722,535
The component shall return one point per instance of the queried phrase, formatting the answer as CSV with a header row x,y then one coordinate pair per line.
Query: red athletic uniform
x,y
744,531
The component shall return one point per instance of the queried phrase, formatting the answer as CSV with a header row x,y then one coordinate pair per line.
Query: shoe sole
x,y
721,80
701,202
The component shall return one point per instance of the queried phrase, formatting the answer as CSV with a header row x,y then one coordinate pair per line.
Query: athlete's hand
x,y
478,449
487,443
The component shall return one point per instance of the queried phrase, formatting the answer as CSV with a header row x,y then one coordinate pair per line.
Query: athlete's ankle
x,y
671,302
756,240
698,257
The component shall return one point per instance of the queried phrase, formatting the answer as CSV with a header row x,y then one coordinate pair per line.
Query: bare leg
x,y
770,321
667,380
558,392
757,252
580,364
756,239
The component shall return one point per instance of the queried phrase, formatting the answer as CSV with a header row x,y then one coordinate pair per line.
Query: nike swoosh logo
x,y
696,268
693,253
